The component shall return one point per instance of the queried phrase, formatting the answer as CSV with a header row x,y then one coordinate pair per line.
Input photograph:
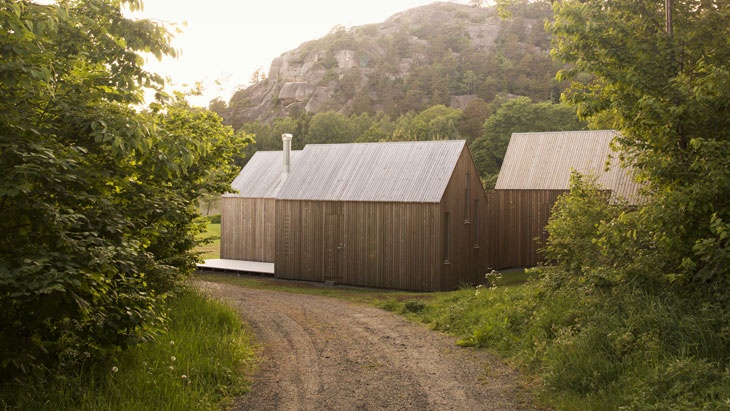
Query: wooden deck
x,y
237,266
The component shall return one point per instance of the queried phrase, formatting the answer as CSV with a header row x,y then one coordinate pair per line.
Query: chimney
x,y
286,139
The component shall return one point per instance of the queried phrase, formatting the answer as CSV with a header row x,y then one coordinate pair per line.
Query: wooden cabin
x,y
536,170
248,216
405,215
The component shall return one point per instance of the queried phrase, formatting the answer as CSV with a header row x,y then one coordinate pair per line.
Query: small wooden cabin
x,y
248,216
405,215
536,170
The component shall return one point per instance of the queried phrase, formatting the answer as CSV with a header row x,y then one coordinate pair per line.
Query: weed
x,y
414,306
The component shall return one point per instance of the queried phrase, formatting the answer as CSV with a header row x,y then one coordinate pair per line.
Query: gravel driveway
x,y
323,353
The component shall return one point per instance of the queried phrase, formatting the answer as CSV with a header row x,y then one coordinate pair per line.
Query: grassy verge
x,y
200,364
212,249
636,352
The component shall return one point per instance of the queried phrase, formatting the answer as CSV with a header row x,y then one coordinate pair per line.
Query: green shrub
x,y
199,364
414,306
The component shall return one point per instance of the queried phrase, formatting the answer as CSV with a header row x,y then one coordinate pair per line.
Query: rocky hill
x,y
443,53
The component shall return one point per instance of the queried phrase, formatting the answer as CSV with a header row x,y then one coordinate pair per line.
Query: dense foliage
x,y
98,197
670,95
175,372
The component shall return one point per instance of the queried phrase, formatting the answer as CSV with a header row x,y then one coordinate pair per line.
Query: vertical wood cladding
x,y
516,221
398,245
247,229
373,244
466,203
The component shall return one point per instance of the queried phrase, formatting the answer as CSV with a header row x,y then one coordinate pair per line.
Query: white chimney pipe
x,y
286,139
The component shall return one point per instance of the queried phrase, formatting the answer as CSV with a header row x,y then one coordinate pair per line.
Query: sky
x,y
225,41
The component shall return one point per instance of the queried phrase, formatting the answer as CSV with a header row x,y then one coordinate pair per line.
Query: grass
x,y
513,277
212,249
200,364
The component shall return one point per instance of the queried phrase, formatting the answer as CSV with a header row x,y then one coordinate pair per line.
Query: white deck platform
x,y
238,266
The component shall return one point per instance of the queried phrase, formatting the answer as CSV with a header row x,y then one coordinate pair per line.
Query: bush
x,y
199,363
99,198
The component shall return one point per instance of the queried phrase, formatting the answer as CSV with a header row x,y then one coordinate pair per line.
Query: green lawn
x,y
213,249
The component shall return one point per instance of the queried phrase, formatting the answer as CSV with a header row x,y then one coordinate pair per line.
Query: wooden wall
x,y
247,229
516,225
372,244
395,245
467,236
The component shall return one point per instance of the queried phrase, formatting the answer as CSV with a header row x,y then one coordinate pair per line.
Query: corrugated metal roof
x,y
393,172
544,160
262,175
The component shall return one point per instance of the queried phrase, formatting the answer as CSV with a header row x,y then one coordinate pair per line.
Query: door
x,y
334,243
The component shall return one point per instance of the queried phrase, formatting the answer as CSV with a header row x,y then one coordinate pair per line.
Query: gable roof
x,y
417,171
262,177
543,161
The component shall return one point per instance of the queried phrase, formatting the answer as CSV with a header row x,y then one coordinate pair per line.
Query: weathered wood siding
x,y
466,204
397,245
372,244
516,225
247,229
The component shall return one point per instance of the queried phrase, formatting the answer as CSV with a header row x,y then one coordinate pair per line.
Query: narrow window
x,y
467,198
287,235
476,223
446,238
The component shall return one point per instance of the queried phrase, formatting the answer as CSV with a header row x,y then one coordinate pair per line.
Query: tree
x,y
642,280
257,76
669,90
99,199
330,127
472,119
436,123
517,116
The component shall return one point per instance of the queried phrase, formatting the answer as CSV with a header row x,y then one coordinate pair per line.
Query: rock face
x,y
368,68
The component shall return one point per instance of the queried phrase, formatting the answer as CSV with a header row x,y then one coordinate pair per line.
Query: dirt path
x,y
328,354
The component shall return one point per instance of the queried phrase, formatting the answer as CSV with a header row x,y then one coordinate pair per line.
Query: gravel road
x,y
323,353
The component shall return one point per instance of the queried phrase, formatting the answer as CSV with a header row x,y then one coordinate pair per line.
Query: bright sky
x,y
226,41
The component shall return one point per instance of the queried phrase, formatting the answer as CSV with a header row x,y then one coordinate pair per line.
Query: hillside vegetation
x,y
440,54
442,71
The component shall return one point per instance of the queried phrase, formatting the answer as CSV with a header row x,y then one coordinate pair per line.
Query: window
x,y
475,227
447,238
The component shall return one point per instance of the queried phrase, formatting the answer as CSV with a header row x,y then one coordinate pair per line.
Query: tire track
x,y
322,353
